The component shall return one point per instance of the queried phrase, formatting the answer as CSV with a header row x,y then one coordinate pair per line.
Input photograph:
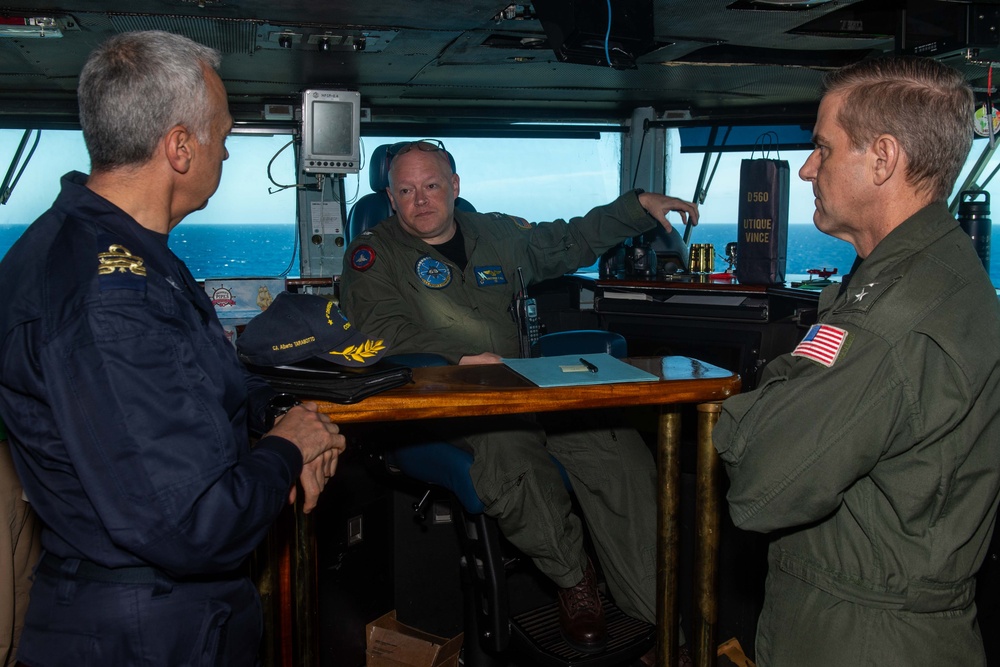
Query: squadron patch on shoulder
x,y
363,258
520,223
432,273
490,275
823,344
118,268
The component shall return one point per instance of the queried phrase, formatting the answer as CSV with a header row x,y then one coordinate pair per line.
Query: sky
x,y
243,194
536,178
539,179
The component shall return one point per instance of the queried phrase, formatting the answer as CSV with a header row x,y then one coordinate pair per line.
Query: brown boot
x,y
581,616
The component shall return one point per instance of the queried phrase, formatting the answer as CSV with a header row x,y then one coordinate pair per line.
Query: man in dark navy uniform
x,y
127,408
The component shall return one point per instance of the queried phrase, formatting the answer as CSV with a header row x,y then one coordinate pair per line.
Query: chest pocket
x,y
493,290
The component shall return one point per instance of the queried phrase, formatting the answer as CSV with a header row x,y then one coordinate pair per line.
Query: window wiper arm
x,y
10,179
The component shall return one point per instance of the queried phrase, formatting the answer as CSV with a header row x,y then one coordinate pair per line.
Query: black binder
x,y
322,380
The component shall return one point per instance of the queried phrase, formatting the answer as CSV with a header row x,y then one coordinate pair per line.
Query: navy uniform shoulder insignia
x,y
432,273
363,258
118,268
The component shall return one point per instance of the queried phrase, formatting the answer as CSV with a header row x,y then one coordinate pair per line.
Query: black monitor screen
x,y
332,123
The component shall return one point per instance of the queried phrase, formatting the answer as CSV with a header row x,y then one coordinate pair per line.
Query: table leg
x,y
305,611
284,569
707,542
668,533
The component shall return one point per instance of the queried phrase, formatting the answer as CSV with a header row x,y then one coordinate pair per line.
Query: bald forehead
x,y
436,159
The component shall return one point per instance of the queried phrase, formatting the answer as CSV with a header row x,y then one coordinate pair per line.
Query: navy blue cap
x,y
296,327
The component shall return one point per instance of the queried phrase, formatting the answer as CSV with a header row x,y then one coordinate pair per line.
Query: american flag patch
x,y
823,343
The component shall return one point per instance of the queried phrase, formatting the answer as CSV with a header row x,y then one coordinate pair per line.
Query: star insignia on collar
x,y
860,295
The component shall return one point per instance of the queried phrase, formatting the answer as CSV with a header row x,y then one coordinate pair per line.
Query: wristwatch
x,y
278,405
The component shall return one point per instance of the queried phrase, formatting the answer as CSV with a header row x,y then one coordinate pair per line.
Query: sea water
x,y
229,250
220,250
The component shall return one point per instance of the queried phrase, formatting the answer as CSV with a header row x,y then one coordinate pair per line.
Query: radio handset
x,y
524,310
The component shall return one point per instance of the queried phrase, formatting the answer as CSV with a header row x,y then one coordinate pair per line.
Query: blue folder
x,y
575,369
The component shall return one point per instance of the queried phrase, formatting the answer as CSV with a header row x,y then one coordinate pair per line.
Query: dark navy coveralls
x,y
128,413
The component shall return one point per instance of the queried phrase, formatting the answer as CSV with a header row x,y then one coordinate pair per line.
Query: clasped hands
x,y
320,442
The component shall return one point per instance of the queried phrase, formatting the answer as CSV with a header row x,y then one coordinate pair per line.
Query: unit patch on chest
x,y
432,273
490,275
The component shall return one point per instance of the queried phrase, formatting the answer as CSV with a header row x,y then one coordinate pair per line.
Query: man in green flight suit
x,y
871,451
433,279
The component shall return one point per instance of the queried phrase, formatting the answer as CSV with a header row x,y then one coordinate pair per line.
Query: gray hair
x,y
135,87
926,105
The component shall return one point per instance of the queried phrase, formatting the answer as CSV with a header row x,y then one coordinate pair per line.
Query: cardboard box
x,y
242,298
394,644
238,300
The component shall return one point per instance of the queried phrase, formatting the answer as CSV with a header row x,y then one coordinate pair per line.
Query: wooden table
x,y
463,391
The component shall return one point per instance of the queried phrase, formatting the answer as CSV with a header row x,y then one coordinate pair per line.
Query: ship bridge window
x,y
808,248
538,179
247,229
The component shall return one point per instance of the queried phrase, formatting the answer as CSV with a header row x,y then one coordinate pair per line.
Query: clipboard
x,y
576,369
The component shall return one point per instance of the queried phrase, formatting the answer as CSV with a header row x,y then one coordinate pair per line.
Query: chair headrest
x,y
378,167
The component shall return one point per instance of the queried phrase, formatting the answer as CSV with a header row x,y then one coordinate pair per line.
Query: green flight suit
x,y
399,288
879,473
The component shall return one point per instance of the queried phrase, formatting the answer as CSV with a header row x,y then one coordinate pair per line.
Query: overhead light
x,y
35,27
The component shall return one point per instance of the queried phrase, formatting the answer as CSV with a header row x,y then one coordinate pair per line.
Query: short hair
x,y
443,157
926,105
135,87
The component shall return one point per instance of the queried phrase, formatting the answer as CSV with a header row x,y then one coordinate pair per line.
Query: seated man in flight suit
x,y
434,279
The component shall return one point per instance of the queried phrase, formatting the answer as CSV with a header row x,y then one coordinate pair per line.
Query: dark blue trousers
x,y
73,621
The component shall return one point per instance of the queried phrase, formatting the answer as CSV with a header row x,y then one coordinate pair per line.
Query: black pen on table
x,y
590,367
